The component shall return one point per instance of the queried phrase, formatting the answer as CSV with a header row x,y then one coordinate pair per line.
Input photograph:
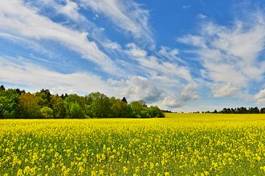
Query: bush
x,y
46,112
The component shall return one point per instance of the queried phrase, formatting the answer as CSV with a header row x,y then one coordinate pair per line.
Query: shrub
x,y
46,112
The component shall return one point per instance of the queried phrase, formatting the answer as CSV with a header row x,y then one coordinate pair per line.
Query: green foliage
x,y
99,106
44,97
46,112
75,111
8,103
57,104
137,109
15,103
154,111
74,106
241,110
29,106
119,108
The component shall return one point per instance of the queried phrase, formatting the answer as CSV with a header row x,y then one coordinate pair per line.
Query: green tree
x,y
8,103
137,109
46,112
119,108
2,88
75,111
44,97
99,105
124,100
154,111
29,106
57,104
71,102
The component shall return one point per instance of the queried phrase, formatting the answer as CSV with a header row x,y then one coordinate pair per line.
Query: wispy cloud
x,y
260,97
166,79
230,55
23,73
24,21
69,8
129,16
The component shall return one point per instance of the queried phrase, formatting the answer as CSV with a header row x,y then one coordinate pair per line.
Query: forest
x,y
241,110
16,103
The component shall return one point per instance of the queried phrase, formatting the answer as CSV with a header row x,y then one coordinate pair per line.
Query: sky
x,y
181,55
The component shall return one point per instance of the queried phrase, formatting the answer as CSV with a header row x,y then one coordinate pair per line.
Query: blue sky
x,y
183,55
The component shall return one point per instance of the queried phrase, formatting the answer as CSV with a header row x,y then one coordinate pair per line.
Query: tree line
x,y
241,110
16,103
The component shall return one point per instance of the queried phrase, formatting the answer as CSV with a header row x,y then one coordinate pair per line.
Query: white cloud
x,y
140,88
189,92
164,68
201,16
135,51
157,66
69,8
260,97
37,77
164,80
156,91
20,20
171,102
171,55
229,55
168,53
222,90
128,15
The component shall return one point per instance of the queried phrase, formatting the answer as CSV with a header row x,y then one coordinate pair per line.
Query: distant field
x,y
181,144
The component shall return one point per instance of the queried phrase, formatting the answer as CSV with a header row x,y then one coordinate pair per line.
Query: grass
x,y
181,144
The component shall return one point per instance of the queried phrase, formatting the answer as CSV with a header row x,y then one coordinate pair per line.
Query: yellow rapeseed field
x,y
181,144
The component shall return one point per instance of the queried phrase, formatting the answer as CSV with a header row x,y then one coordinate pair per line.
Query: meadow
x,y
180,144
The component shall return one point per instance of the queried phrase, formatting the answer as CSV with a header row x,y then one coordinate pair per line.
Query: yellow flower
x,y
27,170
93,173
81,169
101,172
151,166
19,172
166,174
258,158
125,170
262,168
